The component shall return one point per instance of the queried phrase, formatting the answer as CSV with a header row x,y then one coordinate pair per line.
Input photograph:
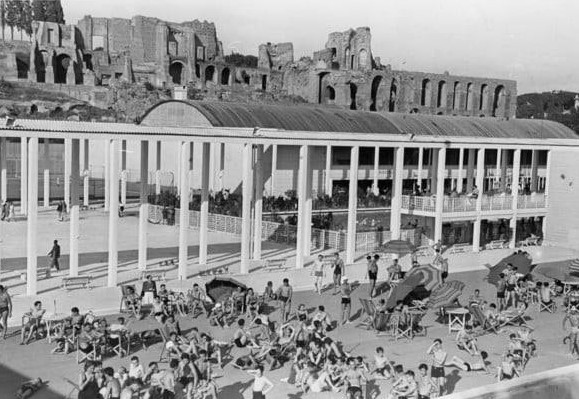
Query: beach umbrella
x,y
403,289
445,294
574,267
522,261
220,288
398,247
430,276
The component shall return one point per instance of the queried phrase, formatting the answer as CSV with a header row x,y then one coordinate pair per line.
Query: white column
x,y
144,204
113,149
441,172
433,169
23,175
180,165
222,165
515,194
547,183
396,204
3,170
183,208
46,178
308,206
31,222
74,206
480,172
503,176
534,170
158,169
212,158
107,176
460,165
86,173
352,205
258,202
498,168
302,184
376,170
247,186
204,216
66,177
124,172
470,170
328,178
420,163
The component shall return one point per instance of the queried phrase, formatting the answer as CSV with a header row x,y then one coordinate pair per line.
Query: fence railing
x,y
424,204
287,234
497,202
534,201
468,204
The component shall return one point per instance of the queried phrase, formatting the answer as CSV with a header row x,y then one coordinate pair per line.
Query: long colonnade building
x,y
267,148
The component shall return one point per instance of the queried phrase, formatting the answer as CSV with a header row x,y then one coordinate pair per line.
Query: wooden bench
x,y
76,282
460,248
275,264
157,274
497,244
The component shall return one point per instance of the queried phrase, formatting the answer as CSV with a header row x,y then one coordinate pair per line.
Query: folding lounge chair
x,y
485,323
550,307
516,320
124,307
400,329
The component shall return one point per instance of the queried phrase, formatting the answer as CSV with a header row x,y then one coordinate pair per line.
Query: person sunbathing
x,y
28,388
133,301
480,364
242,338
382,368
466,341
317,381
508,369
33,324
323,317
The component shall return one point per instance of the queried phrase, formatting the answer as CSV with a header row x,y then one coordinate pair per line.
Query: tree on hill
x,y
3,17
38,10
26,18
54,11
12,15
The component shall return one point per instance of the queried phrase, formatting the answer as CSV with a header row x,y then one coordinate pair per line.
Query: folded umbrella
x,y
445,294
402,290
398,247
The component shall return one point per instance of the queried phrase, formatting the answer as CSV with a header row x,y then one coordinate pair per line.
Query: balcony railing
x,y
535,201
468,204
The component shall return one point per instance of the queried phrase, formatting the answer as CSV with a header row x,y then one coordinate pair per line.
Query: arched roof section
x,y
317,119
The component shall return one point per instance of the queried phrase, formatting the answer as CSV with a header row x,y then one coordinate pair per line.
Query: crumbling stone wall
x,y
275,56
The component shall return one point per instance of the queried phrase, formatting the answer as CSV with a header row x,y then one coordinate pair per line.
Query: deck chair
x,y
81,355
485,323
516,320
550,307
369,312
120,343
74,388
124,307
400,329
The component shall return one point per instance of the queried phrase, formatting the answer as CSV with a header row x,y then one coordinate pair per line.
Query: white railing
x,y
423,204
287,234
533,201
459,204
497,202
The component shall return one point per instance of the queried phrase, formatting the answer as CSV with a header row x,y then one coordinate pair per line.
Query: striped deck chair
x,y
485,323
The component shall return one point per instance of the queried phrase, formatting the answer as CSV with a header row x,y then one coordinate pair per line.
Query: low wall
x,y
560,383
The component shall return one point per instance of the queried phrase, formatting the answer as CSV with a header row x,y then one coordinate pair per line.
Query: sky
x,y
531,41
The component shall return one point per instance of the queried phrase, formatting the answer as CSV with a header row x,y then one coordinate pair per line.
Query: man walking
x,y
339,270
55,256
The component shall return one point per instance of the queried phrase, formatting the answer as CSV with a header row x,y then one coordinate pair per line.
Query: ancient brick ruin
x,y
98,51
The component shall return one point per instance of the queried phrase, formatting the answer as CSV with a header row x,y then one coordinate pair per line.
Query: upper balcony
x,y
426,205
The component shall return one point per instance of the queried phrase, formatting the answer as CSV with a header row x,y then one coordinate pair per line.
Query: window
x,y
98,43
200,53
50,36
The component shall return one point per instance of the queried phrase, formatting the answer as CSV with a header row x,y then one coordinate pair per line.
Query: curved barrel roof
x,y
318,119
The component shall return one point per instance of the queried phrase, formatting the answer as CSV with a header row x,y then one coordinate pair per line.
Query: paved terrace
x,y
19,363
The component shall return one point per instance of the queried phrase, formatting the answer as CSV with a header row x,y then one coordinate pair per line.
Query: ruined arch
x,y
61,63
376,82
426,93
456,96
442,94
40,63
322,81
499,101
225,75
484,98
329,94
209,73
393,96
363,59
353,92
177,72
22,65
469,97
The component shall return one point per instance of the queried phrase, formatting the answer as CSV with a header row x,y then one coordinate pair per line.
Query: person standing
x,y
284,295
5,309
438,362
261,384
373,272
59,210
318,274
149,291
10,211
54,255
4,213
339,270
346,301
501,289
